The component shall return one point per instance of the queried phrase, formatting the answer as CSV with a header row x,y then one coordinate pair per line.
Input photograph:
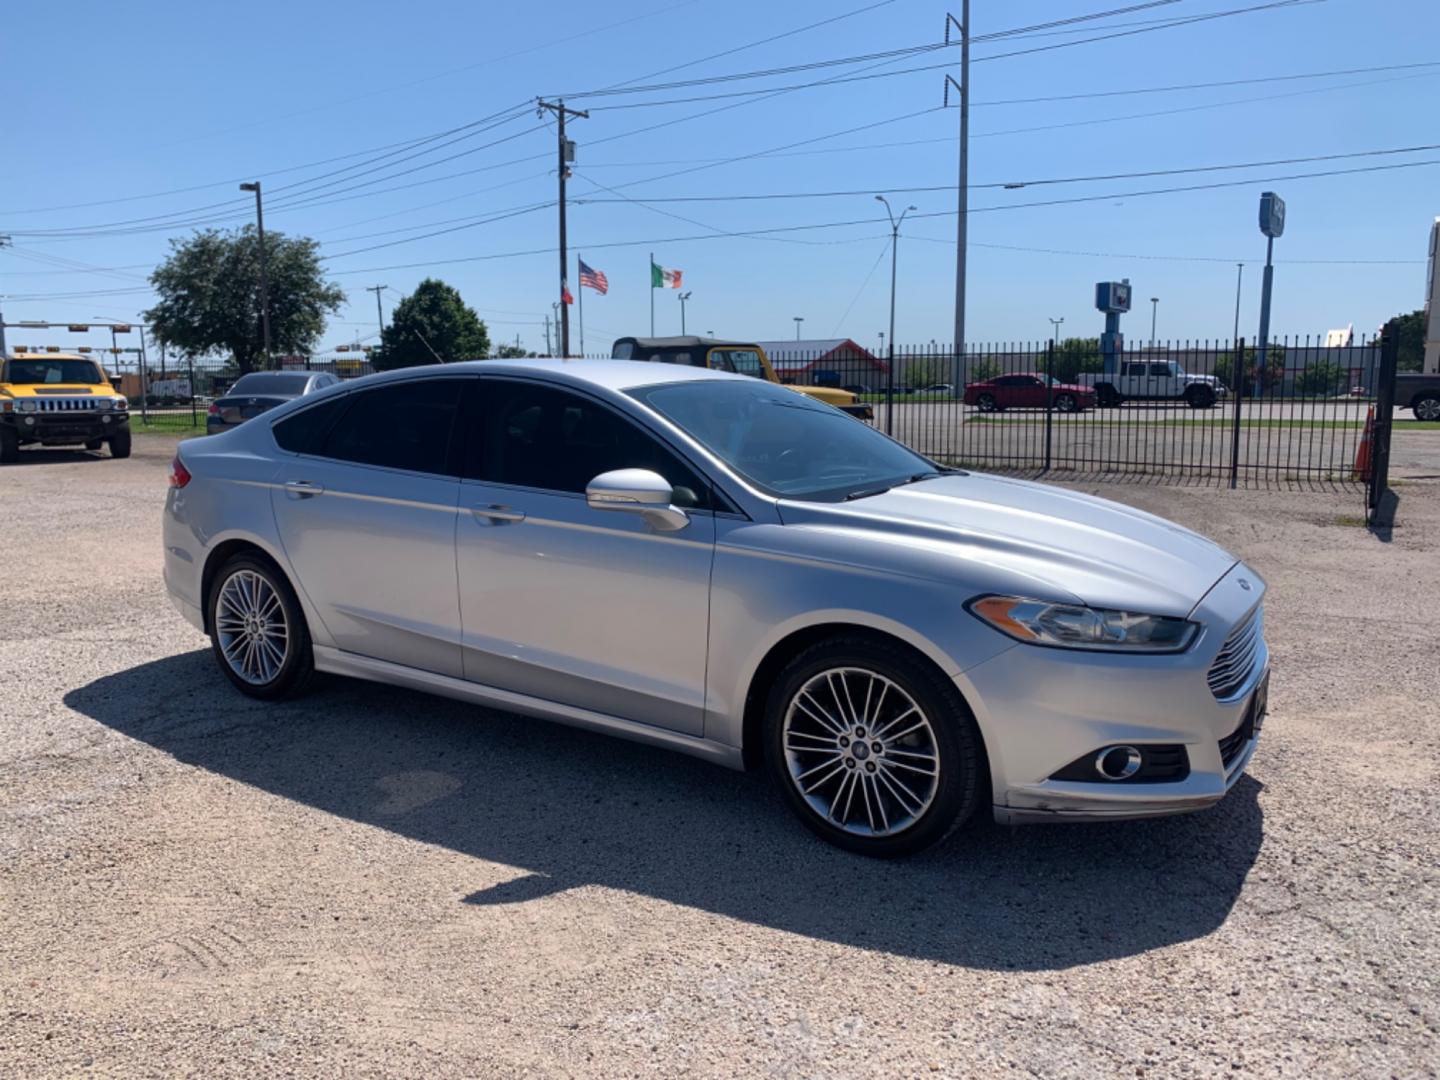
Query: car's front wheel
x,y
1427,407
987,403
1066,403
120,443
873,749
257,629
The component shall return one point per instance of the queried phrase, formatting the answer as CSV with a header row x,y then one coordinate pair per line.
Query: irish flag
x,y
664,278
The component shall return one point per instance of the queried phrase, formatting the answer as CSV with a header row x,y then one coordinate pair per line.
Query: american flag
x,y
591,278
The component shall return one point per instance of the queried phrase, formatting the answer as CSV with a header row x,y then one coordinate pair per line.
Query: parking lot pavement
x,y
369,882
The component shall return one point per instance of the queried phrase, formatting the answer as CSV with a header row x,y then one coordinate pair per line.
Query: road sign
x,y
1113,297
78,328
1272,215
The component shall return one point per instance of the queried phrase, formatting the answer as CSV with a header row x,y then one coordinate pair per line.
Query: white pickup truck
x,y
1153,380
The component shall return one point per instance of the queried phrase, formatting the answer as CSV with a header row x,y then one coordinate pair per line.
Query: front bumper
x,y
62,428
1040,710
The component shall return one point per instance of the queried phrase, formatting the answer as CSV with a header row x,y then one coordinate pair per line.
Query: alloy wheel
x,y
1065,403
861,752
251,627
1427,409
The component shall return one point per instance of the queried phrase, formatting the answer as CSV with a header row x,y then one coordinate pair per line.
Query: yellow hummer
x,y
60,399
741,357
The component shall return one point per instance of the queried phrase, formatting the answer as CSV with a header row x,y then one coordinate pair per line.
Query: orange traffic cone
x,y
1362,452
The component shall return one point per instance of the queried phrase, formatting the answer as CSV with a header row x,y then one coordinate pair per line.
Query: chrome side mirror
x,y
637,491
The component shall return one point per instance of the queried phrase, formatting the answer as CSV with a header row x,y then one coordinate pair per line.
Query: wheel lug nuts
x,y
877,746
869,766
859,732
844,741
849,762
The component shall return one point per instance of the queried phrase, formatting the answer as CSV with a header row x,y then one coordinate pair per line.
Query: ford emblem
x,y
1244,584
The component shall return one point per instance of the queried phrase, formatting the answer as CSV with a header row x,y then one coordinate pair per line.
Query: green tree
x,y
1321,379
431,325
209,289
511,352
924,371
1074,355
1273,375
985,370
1411,329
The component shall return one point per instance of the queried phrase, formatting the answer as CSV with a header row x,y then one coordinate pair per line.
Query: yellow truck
x,y
741,357
60,399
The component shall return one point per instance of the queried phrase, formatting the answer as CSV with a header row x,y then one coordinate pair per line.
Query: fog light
x,y
1118,762
30,421
104,419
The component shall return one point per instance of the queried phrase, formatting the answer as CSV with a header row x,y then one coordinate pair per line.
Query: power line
x,y
748,233
1012,184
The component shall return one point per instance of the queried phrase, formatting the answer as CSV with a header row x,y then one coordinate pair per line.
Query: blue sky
x,y
118,101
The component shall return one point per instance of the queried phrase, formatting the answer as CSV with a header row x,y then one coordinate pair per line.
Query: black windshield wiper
x,y
917,477
865,493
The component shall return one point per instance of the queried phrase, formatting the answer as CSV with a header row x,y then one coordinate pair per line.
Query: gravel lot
x,y
371,882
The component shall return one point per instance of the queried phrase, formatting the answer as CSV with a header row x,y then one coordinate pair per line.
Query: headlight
x,y
104,403
1072,626
26,405
121,402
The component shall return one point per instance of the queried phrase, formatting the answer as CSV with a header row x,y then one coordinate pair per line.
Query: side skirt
x,y
338,662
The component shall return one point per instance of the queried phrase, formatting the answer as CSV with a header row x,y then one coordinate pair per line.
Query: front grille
x,y
1236,660
65,404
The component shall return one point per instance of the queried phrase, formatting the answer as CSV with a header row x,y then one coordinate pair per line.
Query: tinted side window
x,y
400,426
542,437
1134,369
1012,380
302,431
1160,369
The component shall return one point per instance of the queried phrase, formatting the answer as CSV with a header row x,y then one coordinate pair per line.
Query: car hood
x,y
44,390
1058,544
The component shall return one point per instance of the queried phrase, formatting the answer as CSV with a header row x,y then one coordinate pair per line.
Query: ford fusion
x,y
723,567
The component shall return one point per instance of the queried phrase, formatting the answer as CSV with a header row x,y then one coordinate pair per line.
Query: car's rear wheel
x,y
987,403
1066,403
1427,407
120,444
874,750
1200,397
257,629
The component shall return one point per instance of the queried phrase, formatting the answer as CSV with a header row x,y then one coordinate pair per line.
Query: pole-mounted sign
x,y
1113,298
1272,215
1272,224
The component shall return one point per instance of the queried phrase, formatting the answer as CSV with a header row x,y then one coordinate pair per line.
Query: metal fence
x,y
1226,411
1299,413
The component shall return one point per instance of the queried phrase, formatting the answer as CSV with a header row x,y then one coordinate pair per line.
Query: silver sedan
x,y
724,567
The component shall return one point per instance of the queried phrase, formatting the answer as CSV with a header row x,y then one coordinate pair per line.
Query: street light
x,y
798,320
254,186
1154,307
894,255
1056,324
683,297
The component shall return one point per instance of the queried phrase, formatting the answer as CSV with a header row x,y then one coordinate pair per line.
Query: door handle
x,y
302,489
499,514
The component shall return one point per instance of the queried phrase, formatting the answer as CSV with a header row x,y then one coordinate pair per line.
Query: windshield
x,y
52,371
740,361
269,382
784,443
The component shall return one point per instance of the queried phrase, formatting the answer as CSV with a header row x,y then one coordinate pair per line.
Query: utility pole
x,y
1154,307
254,186
963,220
683,297
566,158
379,311
894,260
4,242
548,352
1056,324
1239,277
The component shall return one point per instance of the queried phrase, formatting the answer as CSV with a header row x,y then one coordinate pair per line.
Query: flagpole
x,y
580,301
651,271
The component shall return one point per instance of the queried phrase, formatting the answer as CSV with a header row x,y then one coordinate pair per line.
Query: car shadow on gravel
x,y
571,808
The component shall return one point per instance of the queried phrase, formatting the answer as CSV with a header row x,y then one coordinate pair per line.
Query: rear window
x,y
270,382
301,432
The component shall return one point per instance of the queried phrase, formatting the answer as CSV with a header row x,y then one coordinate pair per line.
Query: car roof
x,y
609,374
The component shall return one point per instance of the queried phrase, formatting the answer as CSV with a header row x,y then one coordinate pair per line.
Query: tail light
x,y
179,475
214,410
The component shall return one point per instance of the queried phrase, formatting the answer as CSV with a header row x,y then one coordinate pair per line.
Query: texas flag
x,y
664,278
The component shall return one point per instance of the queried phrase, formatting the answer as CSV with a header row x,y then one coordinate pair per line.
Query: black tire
x,y
987,403
120,443
1066,403
9,446
963,780
1106,397
1426,407
1200,397
94,444
298,663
